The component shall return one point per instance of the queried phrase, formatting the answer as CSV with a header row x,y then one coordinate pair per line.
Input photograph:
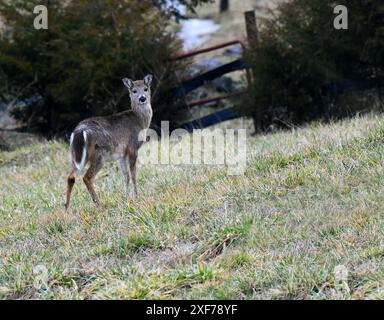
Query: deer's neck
x,y
144,113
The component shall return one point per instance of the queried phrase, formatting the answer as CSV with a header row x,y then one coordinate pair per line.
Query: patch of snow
x,y
195,31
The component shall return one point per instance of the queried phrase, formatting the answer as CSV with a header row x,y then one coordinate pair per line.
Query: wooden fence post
x,y
251,27
224,5
253,40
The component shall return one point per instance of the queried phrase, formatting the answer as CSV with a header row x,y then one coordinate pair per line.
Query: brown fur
x,y
114,137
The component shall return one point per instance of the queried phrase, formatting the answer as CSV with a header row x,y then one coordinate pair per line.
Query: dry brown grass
x,y
310,200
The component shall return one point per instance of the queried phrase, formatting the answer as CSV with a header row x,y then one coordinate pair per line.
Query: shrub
x,y
301,57
73,70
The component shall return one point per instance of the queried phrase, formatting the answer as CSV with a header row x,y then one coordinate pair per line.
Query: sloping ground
x,y
310,202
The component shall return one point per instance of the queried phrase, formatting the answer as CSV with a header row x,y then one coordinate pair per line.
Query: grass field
x,y
310,201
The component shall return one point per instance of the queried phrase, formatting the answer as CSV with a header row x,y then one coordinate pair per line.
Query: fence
x,y
191,84
229,113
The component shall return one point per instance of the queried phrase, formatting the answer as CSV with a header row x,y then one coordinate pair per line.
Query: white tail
x,y
79,165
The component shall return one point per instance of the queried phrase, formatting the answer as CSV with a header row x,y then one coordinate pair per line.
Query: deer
x,y
114,137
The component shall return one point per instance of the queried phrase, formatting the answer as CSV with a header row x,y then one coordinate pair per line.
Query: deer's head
x,y
139,90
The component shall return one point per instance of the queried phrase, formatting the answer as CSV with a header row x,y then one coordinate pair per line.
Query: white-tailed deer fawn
x,y
115,137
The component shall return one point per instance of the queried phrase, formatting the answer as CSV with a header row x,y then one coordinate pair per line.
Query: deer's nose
x,y
142,99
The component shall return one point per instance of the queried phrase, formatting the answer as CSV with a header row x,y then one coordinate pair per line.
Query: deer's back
x,y
111,137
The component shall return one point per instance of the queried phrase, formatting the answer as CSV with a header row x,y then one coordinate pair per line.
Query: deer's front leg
x,y
125,172
132,168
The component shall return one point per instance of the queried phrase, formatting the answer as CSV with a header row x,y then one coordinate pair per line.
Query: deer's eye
x,y
134,91
145,89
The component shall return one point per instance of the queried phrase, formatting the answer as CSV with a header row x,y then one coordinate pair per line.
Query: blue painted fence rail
x,y
192,84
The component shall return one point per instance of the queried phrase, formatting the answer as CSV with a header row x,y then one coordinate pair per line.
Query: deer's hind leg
x,y
89,177
70,183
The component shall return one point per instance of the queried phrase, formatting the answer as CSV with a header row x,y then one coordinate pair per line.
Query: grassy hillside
x,y
310,200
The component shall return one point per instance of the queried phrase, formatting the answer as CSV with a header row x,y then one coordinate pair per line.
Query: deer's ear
x,y
148,79
128,83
